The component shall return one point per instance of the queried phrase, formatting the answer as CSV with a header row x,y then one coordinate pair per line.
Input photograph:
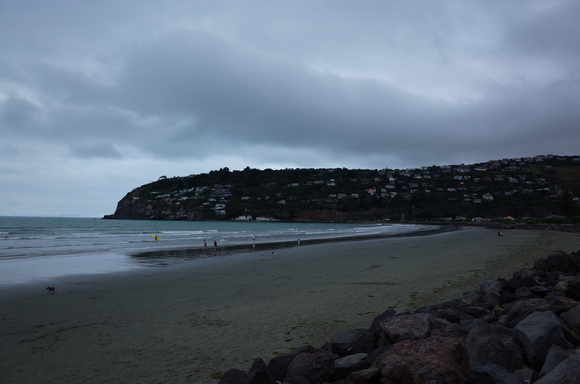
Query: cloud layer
x,y
98,98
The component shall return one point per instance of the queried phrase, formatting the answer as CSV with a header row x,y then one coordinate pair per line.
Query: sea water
x,y
42,248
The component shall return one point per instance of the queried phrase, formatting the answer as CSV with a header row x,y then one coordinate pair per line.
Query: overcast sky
x,y
100,97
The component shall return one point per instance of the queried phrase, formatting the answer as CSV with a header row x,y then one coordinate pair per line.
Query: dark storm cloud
x,y
201,85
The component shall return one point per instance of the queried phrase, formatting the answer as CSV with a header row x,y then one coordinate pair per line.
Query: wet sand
x,y
186,323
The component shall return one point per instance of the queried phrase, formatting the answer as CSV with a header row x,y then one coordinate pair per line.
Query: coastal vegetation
x,y
542,188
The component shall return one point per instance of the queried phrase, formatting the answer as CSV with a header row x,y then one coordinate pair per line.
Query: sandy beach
x,y
188,322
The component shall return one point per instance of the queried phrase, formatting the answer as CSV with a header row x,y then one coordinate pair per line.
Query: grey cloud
x,y
299,83
16,113
106,151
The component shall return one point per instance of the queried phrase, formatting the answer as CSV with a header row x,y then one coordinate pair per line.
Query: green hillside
x,y
534,187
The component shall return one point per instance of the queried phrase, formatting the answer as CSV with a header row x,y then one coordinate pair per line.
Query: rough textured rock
x,y
317,367
432,360
349,364
562,262
472,299
278,366
524,293
370,375
353,341
555,356
537,333
411,327
492,374
376,353
487,286
525,277
492,299
259,373
376,325
527,375
540,291
493,344
234,376
572,317
516,311
567,372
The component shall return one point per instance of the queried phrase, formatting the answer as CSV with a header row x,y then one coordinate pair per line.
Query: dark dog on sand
x,y
50,289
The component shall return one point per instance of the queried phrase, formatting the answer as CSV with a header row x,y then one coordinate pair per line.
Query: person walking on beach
x,y
204,246
215,246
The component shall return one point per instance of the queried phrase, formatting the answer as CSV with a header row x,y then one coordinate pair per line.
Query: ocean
x,y
42,248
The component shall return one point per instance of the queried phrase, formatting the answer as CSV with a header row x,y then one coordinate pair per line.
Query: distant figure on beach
x,y
204,246
215,246
298,241
253,241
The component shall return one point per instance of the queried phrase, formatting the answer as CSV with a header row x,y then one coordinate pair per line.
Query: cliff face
x,y
139,209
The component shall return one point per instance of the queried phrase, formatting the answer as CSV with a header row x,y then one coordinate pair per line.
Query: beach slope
x,y
193,321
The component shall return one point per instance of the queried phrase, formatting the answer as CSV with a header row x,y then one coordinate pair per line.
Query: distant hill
x,y
536,187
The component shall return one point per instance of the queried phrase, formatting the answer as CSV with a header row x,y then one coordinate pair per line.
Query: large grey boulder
x,y
371,375
537,333
412,327
525,293
555,356
432,360
376,324
563,262
376,353
348,364
567,372
259,373
354,341
317,367
234,376
472,299
492,374
540,291
572,317
494,286
278,366
493,344
492,299
518,310
525,277
527,375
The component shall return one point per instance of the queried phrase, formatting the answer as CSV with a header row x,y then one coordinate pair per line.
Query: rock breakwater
x,y
522,330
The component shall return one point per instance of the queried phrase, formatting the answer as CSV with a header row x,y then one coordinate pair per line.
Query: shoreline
x,y
29,270
187,322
